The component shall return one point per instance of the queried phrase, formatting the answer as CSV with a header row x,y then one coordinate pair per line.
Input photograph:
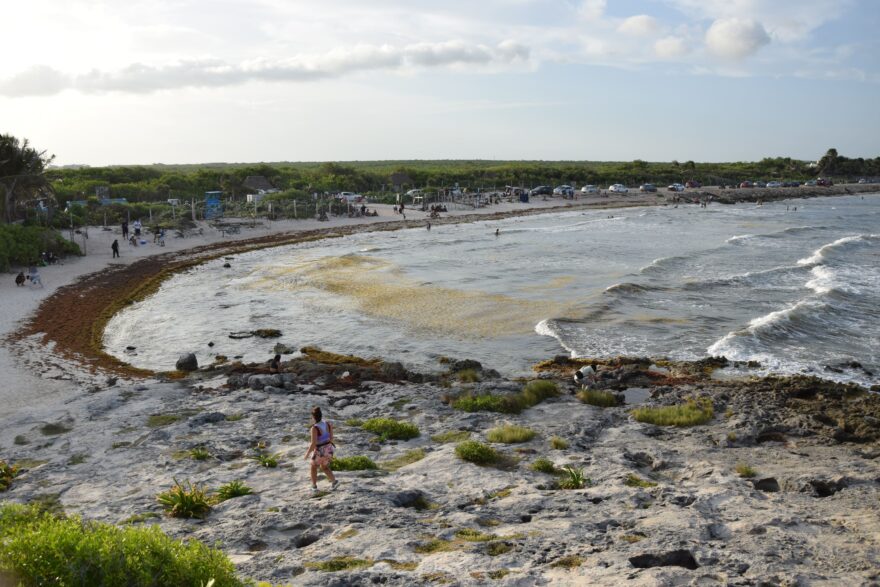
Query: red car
x,y
824,182
745,184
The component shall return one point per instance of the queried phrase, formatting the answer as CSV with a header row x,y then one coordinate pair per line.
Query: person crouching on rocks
x,y
321,449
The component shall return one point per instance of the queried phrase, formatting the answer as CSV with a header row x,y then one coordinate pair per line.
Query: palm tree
x,y
21,172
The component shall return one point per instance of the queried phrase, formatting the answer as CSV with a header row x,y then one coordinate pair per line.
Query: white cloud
x,y
592,9
735,38
140,78
640,25
671,48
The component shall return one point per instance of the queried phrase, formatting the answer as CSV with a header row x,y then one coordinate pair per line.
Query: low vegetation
x,y
352,463
557,443
568,562
692,413
200,453
598,397
159,420
42,549
340,563
572,478
388,429
543,465
468,376
233,489
510,433
498,548
267,460
636,481
532,394
745,471
477,453
7,474
471,535
185,501
22,245
408,458
451,436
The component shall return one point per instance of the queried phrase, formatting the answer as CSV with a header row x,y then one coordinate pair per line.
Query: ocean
x,y
794,285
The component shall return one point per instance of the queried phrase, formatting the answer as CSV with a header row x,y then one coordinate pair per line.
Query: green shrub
x,y
597,397
557,443
41,549
745,471
543,465
388,429
573,478
354,422
200,454
22,245
185,501
354,463
476,452
7,474
689,414
233,489
408,458
451,436
636,481
510,433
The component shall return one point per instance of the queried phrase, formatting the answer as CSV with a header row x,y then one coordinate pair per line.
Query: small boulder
x,y
267,333
207,418
464,365
393,371
187,362
282,349
408,498
768,485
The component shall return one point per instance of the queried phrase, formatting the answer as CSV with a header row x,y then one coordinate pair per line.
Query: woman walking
x,y
321,449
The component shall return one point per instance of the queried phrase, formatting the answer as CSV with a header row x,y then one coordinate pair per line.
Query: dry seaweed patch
x,y
327,358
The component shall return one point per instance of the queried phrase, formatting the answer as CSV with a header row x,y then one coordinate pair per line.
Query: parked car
x,y
774,184
791,184
589,189
412,193
693,183
746,184
824,182
563,190
810,183
647,187
350,197
542,190
759,184
676,187
618,188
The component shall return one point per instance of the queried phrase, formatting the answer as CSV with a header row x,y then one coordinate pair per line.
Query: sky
x,y
193,81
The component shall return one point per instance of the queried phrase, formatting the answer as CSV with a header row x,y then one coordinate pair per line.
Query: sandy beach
x,y
660,505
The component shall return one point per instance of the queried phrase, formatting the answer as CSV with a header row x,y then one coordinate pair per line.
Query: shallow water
x,y
795,290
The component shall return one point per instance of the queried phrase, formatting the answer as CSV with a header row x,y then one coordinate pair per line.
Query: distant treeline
x,y
160,182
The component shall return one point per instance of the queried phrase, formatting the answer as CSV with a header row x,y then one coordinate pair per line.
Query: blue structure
x,y
213,205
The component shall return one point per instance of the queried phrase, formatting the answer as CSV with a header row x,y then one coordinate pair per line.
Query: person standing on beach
x,y
115,247
125,231
321,449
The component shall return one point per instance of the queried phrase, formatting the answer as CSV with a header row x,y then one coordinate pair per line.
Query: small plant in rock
x,y
408,458
479,403
471,535
498,548
354,422
572,478
543,465
233,489
185,501
745,471
352,463
568,562
340,563
468,376
636,481
234,417
557,443
476,452
731,437
159,420
692,413
267,460
451,436
200,453
388,429
510,433
7,474
598,397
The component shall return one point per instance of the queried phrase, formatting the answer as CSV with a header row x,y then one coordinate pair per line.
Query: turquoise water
x,y
794,289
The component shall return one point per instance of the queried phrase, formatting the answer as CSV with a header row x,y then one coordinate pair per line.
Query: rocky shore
x,y
780,485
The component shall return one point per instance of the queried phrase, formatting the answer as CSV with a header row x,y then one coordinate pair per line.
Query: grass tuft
x,y
468,376
598,397
340,563
451,436
477,453
436,545
234,417
572,478
42,549
54,429
403,460
388,429
185,501
558,443
636,481
233,489
745,471
510,433
399,565
691,413
353,463
543,465
471,535
159,420
532,394
498,548
354,422
267,460
200,454
568,562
